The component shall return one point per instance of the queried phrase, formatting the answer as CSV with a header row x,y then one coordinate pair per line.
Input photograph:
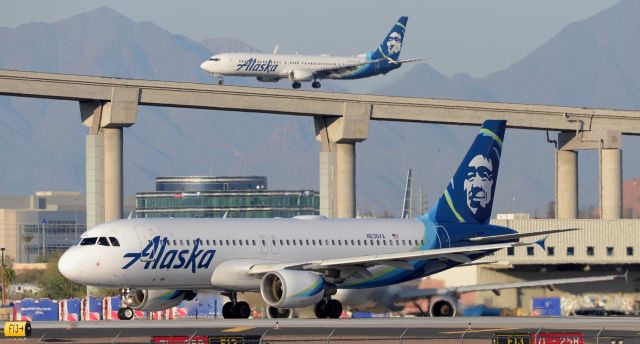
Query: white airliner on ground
x,y
296,262
297,68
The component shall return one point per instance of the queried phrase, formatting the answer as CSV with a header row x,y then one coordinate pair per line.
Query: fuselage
x,y
272,67
185,253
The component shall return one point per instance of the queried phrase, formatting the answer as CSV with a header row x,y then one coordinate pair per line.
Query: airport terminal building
x,y
207,196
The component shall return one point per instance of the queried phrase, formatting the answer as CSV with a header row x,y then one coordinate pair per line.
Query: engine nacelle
x,y
300,75
268,78
279,313
443,307
158,299
291,288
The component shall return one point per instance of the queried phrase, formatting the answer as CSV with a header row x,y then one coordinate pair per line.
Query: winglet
x,y
542,242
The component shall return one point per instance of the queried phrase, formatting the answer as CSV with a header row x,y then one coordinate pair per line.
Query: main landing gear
x,y
328,309
124,312
296,85
235,309
316,84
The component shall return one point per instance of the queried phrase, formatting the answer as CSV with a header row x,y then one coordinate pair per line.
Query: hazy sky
x,y
474,37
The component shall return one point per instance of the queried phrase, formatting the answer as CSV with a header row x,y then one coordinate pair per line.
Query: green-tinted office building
x,y
242,197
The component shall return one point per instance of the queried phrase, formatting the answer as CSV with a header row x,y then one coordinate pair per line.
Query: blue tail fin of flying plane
x,y
392,44
468,197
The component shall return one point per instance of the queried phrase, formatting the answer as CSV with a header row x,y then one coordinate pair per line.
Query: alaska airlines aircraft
x,y
297,68
296,262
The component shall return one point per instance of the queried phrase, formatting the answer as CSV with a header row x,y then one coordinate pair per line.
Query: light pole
x,y
3,270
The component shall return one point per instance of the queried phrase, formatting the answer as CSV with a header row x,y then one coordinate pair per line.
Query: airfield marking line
x,y
238,329
483,330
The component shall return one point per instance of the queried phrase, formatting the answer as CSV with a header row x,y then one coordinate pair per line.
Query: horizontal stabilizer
x,y
514,236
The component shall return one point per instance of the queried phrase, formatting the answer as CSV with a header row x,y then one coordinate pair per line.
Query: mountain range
x,y
592,63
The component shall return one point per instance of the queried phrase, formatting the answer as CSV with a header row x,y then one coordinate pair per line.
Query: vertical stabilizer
x,y
468,197
392,44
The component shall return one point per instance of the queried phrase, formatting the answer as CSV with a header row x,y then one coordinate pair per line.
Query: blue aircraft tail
x,y
392,44
468,197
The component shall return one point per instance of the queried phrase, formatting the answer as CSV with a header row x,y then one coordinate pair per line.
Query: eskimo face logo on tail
x,y
478,184
394,43
157,257
251,65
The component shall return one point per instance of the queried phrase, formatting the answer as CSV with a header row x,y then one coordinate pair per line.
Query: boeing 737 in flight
x,y
297,68
296,262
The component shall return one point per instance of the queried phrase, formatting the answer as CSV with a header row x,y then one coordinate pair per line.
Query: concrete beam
x,y
306,103
352,126
573,140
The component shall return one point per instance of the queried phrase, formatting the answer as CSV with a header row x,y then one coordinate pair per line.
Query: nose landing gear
x,y
220,78
235,309
125,312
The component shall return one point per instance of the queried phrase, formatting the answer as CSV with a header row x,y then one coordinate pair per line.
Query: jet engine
x,y
158,299
291,288
443,306
300,75
275,313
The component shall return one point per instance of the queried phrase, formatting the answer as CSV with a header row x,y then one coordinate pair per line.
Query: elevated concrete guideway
x,y
107,105
306,103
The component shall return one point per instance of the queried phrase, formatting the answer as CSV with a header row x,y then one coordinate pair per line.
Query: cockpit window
x,y
114,241
102,241
214,59
88,241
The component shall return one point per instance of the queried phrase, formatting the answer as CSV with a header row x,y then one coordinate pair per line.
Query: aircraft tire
x,y
333,309
296,85
315,84
125,313
319,309
227,310
241,310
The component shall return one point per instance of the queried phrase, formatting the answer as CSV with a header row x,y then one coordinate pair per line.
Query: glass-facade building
x,y
240,197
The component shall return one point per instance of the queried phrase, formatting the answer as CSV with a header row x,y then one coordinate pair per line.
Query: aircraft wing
x,y
326,72
507,237
397,260
410,294
404,61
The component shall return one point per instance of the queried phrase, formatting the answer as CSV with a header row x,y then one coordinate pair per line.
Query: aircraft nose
x,y
205,65
68,266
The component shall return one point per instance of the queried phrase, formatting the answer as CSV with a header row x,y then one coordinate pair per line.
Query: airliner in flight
x,y
297,68
301,261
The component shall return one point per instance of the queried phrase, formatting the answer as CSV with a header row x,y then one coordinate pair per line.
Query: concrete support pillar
x,y
610,183
566,184
94,180
113,200
346,179
326,183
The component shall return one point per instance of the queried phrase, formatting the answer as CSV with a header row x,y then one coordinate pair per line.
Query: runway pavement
x,y
476,327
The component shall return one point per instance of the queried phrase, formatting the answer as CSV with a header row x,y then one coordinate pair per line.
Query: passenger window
x,y
88,241
372,242
293,242
365,242
313,241
188,242
240,242
404,243
287,242
227,242
102,241
378,242
422,242
359,242
320,242
213,242
264,242
246,242
397,242
234,242
307,242
352,242
208,242
326,241
339,242
253,242
165,241
390,242
114,241
175,243
274,242
281,242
